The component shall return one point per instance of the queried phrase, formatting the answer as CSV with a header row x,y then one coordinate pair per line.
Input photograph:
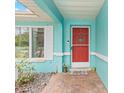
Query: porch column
x,y
58,49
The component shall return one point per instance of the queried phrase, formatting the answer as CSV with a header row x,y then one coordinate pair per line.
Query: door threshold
x,y
80,64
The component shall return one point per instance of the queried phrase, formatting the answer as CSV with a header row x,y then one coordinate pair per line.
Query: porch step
x,y
79,70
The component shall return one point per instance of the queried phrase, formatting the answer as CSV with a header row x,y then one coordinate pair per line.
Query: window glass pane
x,y
22,42
38,42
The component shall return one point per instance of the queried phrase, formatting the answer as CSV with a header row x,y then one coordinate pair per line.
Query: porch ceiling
x,y
79,9
35,13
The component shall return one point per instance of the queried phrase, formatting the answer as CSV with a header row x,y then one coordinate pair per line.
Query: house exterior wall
x,y
102,43
61,36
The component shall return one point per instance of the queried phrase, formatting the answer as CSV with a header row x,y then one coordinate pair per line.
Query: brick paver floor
x,y
66,83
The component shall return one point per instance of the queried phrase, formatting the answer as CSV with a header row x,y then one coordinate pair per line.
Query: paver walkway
x,y
66,83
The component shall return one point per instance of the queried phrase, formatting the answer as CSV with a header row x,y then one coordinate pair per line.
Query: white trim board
x,y
80,64
58,54
66,53
105,58
101,56
62,53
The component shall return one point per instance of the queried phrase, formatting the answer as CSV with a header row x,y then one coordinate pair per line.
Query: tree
x,y
22,40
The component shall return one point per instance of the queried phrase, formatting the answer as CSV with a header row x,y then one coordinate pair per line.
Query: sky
x,y
20,7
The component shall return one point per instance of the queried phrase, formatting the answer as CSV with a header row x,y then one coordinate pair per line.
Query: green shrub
x,y
25,69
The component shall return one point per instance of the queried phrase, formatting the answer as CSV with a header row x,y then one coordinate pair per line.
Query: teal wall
x,y
102,42
67,36
50,65
61,35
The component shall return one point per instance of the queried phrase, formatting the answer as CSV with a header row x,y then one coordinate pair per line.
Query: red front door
x,y
80,45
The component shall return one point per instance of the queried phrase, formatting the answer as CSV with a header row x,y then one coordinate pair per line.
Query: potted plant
x,y
65,68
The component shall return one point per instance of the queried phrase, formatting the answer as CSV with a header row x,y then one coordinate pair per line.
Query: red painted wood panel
x,y
80,42
80,33
80,54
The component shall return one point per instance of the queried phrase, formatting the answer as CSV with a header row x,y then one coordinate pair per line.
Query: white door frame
x,y
80,64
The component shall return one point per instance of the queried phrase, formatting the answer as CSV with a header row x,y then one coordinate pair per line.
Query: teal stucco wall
x,y
62,33
102,42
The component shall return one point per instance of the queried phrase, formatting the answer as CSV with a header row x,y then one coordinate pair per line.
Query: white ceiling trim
x,y
81,17
31,18
35,12
67,3
82,0
79,8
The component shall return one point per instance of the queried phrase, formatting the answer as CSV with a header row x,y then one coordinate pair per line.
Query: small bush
x,y
25,69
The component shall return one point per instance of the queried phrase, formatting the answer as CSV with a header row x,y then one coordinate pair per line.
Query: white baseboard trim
x,y
58,54
93,53
62,53
99,55
66,53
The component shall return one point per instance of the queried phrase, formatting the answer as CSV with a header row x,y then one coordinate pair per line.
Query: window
x,y
22,42
34,43
37,42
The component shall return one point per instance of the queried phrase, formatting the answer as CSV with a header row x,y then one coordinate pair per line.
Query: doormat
x,y
76,73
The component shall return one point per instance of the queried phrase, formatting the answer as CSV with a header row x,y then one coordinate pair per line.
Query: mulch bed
x,y
40,81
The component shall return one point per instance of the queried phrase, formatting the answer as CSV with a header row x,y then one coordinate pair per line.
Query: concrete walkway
x,y
66,83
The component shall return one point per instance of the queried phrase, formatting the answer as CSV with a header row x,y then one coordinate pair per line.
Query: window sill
x,y
31,60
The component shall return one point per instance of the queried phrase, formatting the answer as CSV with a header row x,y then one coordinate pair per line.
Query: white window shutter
x,y
48,43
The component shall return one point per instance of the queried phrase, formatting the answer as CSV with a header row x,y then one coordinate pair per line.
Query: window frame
x,y
31,59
